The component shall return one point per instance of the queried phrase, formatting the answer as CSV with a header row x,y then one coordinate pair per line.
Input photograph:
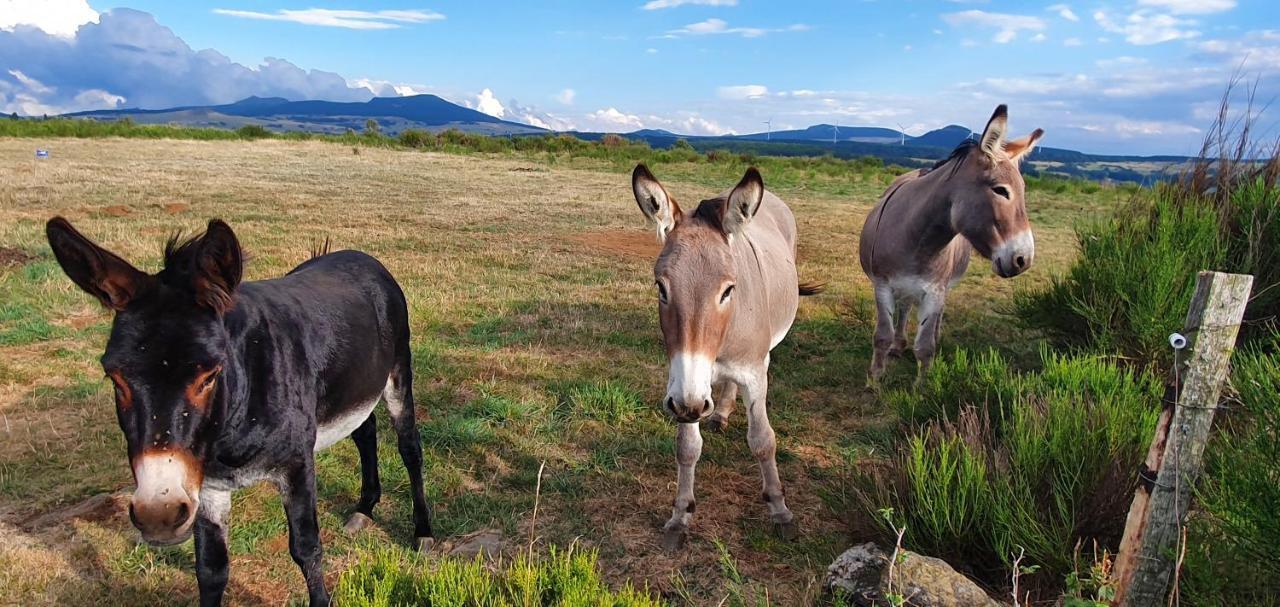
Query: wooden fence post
x,y
1148,547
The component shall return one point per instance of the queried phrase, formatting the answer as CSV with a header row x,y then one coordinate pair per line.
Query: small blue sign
x,y
42,153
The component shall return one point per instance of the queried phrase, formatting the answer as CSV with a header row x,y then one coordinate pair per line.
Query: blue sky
x,y
1117,76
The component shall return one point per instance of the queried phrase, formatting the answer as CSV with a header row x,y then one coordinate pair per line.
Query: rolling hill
x,y
429,112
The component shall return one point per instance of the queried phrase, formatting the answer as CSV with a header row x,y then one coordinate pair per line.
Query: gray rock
x,y
856,573
487,542
925,581
861,576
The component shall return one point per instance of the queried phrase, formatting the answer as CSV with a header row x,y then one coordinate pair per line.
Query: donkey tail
x,y
812,288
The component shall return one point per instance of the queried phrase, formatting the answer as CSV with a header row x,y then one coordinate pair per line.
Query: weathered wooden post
x,y
1150,542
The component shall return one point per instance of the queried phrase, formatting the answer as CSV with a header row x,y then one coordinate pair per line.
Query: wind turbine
x,y
768,136
903,132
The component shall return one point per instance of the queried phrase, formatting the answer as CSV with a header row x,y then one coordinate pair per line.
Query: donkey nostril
x,y
1020,261
183,512
706,405
670,405
133,517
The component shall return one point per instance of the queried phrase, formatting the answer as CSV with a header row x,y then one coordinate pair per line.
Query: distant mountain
x,y
946,137
394,114
825,132
429,112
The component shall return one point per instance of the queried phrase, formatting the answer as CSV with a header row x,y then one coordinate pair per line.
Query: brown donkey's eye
x,y
727,292
1001,190
124,397
662,292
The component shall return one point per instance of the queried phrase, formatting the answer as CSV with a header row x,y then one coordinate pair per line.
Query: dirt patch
x,y
11,256
97,508
627,243
173,208
116,210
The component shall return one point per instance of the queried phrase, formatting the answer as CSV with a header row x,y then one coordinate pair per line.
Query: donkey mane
x,y
709,211
958,155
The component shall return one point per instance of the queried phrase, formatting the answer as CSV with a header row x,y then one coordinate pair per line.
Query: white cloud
x,y
742,91
1072,42
1126,128
488,103
1190,7
654,5
715,26
349,19
386,88
611,118
1257,51
30,97
1007,26
566,96
58,17
1145,28
1064,11
651,51
1039,37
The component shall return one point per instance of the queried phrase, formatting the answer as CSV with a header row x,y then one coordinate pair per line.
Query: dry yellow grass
x,y
531,304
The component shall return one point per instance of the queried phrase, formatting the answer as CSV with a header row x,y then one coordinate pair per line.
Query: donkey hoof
x,y
673,540
357,523
716,423
425,544
787,531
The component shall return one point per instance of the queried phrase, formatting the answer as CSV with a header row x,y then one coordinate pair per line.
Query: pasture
x,y
535,339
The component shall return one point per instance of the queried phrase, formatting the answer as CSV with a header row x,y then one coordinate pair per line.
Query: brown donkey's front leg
x,y
688,450
764,446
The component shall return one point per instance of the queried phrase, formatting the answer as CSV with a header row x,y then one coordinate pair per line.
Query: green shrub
x,y
996,461
1132,282
1234,545
391,577
413,138
253,131
1133,279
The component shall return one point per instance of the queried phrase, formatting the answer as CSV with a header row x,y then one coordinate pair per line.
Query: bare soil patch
x,y
12,256
627,243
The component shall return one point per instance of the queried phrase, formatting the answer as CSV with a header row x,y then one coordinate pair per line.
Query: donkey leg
x,y
719,420
901,311
930,314
212,563
299,491
366,440
399,397
688,450
764,446
883,340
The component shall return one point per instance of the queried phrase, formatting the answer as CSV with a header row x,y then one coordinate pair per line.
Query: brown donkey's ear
x,y
219,265
742,203
1018,149
99,272
654,202
993,136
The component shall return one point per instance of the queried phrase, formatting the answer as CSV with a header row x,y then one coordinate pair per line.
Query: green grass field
x,y
535,340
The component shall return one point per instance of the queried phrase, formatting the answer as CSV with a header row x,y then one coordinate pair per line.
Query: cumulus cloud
x,y
742,91
349,19
654,5
566,96
1145,28
1007,26
57,17
128,58
1064,11
715,26
1257,51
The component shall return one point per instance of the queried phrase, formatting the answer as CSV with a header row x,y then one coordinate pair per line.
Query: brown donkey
x,y
916,241
727,294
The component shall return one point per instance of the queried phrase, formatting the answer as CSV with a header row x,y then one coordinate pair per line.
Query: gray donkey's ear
x,y
742,203
654,201
992,141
